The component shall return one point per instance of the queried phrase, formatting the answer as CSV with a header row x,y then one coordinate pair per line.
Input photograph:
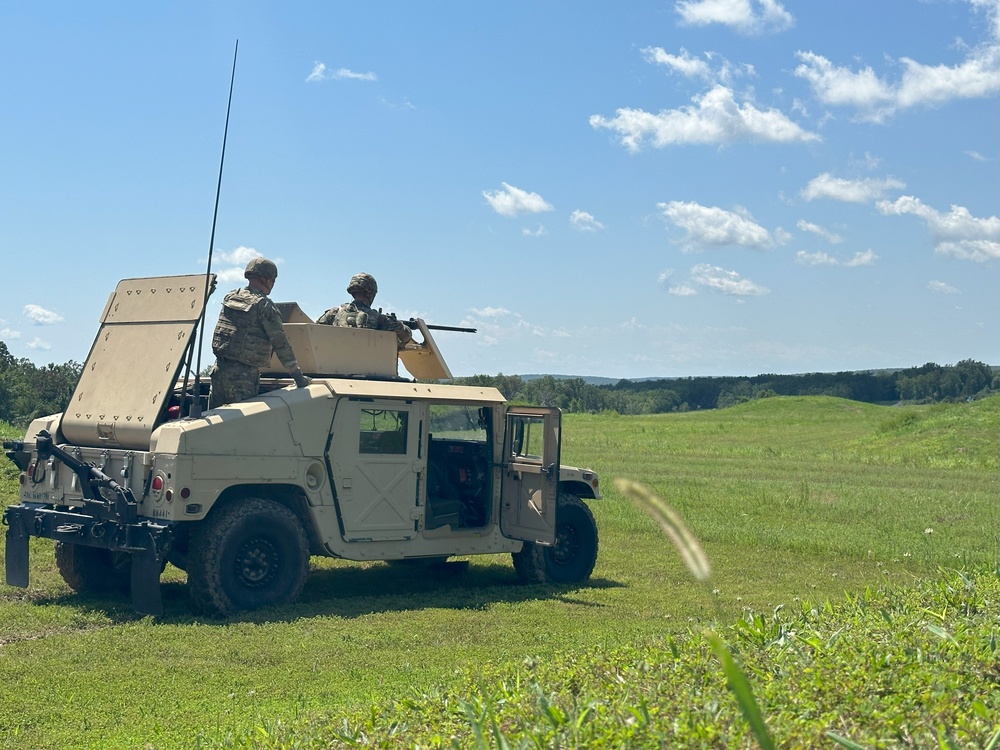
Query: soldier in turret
x,y
359,313
249,329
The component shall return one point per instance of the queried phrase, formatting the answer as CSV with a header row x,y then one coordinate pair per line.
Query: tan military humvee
x,y
362,464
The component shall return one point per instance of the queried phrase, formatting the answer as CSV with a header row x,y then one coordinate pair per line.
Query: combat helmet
x,y
261,267
364,282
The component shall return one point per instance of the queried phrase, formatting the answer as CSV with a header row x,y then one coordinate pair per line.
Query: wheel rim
x,y
257,563
567,546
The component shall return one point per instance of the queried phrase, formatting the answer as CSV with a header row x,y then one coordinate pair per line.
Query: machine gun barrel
x,y
412,323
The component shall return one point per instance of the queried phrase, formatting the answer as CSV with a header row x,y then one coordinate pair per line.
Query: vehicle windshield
x,y
458,422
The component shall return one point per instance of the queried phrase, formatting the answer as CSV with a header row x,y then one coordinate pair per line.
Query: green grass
x,y
796,501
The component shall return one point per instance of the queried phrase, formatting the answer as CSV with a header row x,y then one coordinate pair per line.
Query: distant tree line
x,y
928,383
28,391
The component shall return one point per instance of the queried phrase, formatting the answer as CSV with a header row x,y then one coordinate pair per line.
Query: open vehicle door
x,y
530,484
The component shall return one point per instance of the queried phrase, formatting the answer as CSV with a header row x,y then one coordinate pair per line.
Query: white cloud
x,y
318,73
875,99
512,201
867,258
975,155
321,73
405,104
682,290
540,232
815,259
716,117
941,287
806,226
40,316
849,191
841,86
499,325
711,226
584,222
957,233
743,16
230,276
692,67
491,312
9,333
976,77
240,256
237,259
727,282
38,345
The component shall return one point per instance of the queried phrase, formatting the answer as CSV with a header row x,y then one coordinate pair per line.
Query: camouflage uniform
x,y
358,314
249,329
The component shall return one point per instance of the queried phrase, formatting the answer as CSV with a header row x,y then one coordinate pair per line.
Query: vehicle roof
x,y
414,391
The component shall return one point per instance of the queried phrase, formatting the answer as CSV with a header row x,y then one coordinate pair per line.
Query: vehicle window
x,y
383,431
458,422
528,437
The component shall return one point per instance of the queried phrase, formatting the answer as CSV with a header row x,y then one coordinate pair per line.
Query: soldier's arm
x,y
389,323
270,320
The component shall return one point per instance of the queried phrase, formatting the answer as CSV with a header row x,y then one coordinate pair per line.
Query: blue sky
x,y
704,187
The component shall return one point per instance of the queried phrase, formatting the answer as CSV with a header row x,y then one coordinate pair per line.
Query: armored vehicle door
x,y
530,474
375,456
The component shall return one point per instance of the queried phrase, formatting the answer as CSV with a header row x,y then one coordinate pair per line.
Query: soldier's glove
x,y
301,381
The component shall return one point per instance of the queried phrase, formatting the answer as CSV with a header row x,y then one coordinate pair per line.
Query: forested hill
x,y
28,391
928,383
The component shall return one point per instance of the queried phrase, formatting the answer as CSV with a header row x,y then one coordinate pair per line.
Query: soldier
x,y
249,329
359,313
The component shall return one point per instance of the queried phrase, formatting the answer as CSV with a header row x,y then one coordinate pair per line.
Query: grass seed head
x,y
670,521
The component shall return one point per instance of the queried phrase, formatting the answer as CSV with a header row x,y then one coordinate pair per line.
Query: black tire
x,y
93,569
177,555
248,554
571,559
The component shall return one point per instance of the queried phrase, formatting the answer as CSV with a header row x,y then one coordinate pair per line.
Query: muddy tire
x,y
571,559
249,554
93,569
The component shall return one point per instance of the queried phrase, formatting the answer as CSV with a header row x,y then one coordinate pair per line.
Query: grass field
x,y
826,522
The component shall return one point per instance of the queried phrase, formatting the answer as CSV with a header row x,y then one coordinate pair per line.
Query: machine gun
x,y
412,323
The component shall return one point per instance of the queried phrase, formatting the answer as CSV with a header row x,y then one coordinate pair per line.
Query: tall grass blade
x,y
740,687
690,549
844,742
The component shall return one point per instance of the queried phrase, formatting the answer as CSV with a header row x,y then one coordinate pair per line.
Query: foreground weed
x,y
697,562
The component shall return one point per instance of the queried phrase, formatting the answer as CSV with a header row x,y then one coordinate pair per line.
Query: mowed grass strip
x,y
793,499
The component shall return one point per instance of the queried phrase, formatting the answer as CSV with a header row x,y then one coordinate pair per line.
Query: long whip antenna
x,y
196,404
